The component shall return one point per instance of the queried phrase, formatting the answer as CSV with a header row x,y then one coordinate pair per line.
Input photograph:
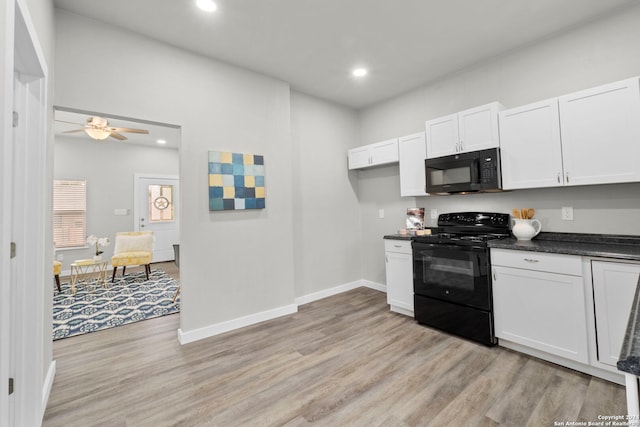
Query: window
x,y
161,203
69,213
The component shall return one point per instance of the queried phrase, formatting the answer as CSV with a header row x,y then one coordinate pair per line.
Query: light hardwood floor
x,y
341,361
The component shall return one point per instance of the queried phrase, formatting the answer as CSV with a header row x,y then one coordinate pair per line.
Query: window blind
x,y
69,213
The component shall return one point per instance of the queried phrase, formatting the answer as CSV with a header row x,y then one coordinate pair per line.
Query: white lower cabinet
x,y
399,271
614,287
539,302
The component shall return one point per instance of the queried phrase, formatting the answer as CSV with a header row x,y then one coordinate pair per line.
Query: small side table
x,y
83,270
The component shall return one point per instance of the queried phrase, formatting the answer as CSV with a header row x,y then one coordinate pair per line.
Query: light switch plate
x,y
121,211
434,213
381,213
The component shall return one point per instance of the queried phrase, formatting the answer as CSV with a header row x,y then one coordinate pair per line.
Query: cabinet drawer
x,y
401,246
538,261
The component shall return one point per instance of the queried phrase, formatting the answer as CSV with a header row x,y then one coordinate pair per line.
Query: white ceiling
x,y
314,44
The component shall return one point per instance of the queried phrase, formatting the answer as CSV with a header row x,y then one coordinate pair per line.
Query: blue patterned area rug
x,y
128,300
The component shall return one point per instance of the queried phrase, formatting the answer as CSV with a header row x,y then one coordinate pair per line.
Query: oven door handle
x,y
449,246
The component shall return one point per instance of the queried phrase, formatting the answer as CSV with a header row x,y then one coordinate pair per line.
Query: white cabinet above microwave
x,y
469,130
380,153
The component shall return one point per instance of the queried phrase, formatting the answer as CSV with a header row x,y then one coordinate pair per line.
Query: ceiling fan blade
x,y
73,123
116,135
131,130
74,131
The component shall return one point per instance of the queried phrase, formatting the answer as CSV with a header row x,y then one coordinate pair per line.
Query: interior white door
x,y
157,211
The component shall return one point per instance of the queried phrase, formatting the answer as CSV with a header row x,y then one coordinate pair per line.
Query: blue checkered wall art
x,y
236,181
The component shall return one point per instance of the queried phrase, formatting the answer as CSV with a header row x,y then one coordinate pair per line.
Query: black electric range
x,y
452,282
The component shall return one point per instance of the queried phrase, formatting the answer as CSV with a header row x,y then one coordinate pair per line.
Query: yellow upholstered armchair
x,y
132,248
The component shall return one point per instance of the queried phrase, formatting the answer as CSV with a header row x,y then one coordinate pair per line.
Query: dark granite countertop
x,y
629,360
595,245
398,236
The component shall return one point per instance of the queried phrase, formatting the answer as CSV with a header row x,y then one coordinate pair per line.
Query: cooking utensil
x,y
516,213
530,213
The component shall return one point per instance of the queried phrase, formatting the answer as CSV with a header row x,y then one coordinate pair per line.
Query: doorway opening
x,y
110,165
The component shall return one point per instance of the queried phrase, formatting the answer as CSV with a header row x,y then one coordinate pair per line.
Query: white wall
x,y
233,264
601,52
109,168
326,211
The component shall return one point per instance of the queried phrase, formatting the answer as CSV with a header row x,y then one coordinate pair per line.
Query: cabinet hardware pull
x,y
461,145
531,260
566,177
494,276
558,177
397,246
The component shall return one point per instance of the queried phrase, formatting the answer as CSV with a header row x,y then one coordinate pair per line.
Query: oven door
x,y
458,274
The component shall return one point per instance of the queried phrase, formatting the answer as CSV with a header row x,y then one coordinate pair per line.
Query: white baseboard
x,y
373,285
306,299
48,383
230,325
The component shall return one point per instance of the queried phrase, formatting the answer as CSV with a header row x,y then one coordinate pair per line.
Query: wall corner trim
x,y
48,383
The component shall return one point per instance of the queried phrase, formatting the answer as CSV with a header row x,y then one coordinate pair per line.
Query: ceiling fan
x,y
98,128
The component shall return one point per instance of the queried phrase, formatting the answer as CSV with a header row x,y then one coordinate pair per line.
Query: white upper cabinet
x,y
412,151
587,137
374,154
359,157
601,134
442,136
469,130
530,148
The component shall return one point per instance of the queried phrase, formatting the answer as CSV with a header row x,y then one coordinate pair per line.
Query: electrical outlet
x,y
381,213
567,213
60,257
434,213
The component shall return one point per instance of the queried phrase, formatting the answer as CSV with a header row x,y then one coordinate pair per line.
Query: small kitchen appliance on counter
x,y
452,280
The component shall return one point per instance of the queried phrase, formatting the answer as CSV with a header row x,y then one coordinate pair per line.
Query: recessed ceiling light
x,y
161,141
360,72
206,5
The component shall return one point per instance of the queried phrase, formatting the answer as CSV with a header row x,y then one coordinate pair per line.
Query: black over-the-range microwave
x,y
472,172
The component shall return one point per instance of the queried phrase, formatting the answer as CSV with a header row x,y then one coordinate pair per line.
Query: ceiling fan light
x,y
98,134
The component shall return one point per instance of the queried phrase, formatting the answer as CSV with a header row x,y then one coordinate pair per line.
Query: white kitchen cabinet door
x,y
530,146
614,287
601,133
442,136
412,151
478,127
543,311
384,152
380,153
359,157
469,130
399,273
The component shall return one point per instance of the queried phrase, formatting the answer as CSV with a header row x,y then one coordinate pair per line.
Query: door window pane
x,y
161,203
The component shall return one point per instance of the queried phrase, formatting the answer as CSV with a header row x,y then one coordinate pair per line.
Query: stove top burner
x,y
468,228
